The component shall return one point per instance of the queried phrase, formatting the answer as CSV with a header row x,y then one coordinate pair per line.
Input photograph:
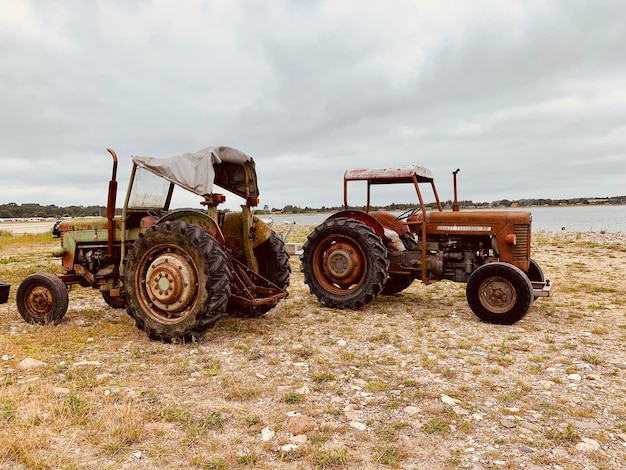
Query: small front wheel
x,y
42,298
499,293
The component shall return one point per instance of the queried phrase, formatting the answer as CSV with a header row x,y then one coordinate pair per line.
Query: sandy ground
x,y
26,227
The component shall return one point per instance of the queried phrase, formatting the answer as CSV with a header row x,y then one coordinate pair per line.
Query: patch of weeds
x,y
382,337
329,458
390,455
591,359
504,360
376,386
427,362
388,361
211,367
394,404
231,324
436,425
248,459
7,412
390,432
251,353
180,368
323,377
596,306
195,425
217,464
568,436
74,408
292,398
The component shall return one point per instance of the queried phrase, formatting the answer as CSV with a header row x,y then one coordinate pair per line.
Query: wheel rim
x,y
497,295
39,301
340,264
169,286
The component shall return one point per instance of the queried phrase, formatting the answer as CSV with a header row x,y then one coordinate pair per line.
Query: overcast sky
x,y
527,98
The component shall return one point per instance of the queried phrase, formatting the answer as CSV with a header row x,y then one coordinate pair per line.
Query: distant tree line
x,y
616,200
30,210
12,210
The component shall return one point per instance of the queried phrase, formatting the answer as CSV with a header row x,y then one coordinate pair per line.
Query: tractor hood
x,y
227,167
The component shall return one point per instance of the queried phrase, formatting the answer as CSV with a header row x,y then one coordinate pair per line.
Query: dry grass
x,y
410,381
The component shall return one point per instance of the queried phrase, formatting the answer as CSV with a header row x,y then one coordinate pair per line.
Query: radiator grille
x,y
521,250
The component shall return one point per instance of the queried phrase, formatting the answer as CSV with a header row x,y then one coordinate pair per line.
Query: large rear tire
x,y
42,298
177,281
344,263
499,293
273,262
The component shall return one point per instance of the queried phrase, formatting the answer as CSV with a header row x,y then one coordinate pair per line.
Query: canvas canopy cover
x,y
197,171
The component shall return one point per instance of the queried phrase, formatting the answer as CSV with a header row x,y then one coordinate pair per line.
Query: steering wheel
x,y
408,213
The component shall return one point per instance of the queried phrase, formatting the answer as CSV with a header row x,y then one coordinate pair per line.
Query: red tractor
x,y
175,271
354,255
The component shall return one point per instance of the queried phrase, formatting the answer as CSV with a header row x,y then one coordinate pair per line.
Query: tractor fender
x,y
363,217
196,218
262,231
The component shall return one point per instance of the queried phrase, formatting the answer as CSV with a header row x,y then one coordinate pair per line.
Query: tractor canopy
x,y
227,167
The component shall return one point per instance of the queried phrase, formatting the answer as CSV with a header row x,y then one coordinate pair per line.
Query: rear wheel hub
x,y
171,282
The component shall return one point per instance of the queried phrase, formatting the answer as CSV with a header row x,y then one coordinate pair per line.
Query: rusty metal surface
x,y
389,175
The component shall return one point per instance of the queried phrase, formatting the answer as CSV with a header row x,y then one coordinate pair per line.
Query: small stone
x,y
574,378
507,423
342,342
525,449
60,390
304,390
87,363
411,410
620,365
30,363
300,424
299,439
449,400
138,454
260,376
358,426
546,384
588,445
288,448
558,452
267,434
530,426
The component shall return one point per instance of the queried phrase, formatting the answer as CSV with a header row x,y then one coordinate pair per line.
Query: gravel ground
x,y
411,381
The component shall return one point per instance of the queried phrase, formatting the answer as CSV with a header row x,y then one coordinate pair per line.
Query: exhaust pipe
x,y
111,204
455,203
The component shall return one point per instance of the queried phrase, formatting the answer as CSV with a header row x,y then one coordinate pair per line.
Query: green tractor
x,y
176,272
